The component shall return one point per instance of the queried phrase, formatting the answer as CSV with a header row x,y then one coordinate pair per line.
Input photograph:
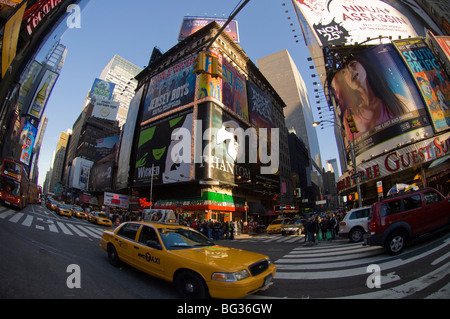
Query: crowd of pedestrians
x,y
318,228
216,230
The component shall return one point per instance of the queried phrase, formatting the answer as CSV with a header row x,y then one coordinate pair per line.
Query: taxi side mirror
x,y
154,244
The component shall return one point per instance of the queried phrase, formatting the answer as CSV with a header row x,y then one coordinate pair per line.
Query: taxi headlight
x,y
228,277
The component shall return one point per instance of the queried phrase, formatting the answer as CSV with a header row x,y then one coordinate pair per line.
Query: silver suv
x,y
354,224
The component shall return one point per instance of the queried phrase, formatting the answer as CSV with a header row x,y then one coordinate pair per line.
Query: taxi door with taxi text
x,y
149,252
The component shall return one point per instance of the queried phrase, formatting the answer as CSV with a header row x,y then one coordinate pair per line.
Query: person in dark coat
x,y
312,227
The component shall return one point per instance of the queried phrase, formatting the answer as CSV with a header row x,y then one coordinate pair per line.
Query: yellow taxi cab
x,y
276,226
181,255
51,204
78,212
64,209
99,218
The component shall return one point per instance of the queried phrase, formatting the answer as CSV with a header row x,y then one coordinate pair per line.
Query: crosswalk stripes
x,y
50,224
338,261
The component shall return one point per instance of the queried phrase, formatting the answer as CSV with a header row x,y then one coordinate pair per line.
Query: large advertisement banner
x,y
209,86
27,137
350,21
170,89
193,24
376,87
102,89
234,90
432,80
157,147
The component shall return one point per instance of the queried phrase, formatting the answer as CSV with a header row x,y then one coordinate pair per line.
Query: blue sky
x,y
131,29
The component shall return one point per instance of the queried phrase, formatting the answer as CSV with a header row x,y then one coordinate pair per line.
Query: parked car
x,y
276,226
400,219
354,224
295,227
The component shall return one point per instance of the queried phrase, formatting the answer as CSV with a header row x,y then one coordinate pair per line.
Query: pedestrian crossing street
x,y
341,260
48,222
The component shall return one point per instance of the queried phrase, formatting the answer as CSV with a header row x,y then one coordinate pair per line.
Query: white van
x,y
354,224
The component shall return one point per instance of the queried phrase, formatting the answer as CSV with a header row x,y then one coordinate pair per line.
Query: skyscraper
x,y
121,72
283,75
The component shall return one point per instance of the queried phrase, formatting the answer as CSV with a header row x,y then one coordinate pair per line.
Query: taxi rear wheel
x,y
190,285
112,256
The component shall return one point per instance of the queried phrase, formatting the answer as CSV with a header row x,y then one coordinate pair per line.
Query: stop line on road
x,y
50,225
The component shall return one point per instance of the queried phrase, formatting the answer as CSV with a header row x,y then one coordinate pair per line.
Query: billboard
x,y
123,163
79,173
102,89
350,21
209,86
192,24
105,109
376,87
106,146
42,93
157,147
116,200
27,139
172,88
101,177
431,79
234,90
220,145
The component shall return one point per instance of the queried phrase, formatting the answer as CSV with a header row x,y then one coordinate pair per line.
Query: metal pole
x,y
358,187
151,188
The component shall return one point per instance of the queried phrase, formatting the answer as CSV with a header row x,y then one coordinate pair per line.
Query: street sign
x,y
356,175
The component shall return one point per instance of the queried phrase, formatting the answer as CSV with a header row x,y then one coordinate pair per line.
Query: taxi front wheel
x,y
190,285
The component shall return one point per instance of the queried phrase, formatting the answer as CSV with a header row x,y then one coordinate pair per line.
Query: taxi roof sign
x,y
163,216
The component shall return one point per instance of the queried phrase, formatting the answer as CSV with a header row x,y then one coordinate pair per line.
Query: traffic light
x,y
353,196
216,67
352,124
200,63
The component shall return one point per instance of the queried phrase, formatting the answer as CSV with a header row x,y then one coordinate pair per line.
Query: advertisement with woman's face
x,y
377,89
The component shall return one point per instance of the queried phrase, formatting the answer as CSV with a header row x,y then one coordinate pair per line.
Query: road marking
x,y
409,288
88,231
28,220
7,213
355,271
64,228
16,217
76,230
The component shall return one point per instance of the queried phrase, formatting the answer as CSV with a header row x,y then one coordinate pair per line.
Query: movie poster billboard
x,y
234,90
432,80
220,146
351,21
377,88
172,88
158,145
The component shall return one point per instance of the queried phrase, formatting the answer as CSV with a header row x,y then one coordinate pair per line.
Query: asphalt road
x,y
47,256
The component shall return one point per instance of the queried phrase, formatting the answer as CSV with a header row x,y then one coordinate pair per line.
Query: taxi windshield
x,y
182,238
